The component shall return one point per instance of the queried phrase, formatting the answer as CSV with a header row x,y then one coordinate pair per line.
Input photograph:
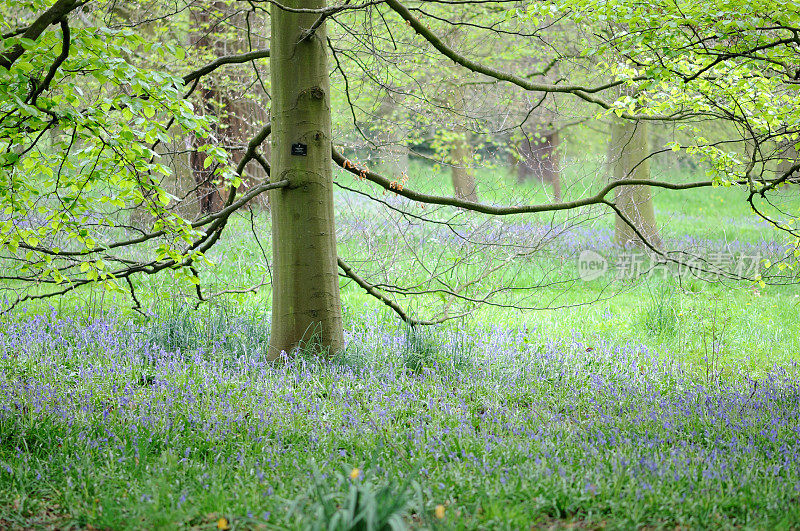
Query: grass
x,y
111,429
663,402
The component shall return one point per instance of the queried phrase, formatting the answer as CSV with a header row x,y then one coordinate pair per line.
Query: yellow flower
x,y
439,512
222,523
354,474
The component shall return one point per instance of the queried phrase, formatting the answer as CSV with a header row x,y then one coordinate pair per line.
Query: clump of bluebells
x,y
105,422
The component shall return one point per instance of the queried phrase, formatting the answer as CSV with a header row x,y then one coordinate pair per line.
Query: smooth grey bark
x,y
539,158
629,150
464,186
461,155
306,310
789,157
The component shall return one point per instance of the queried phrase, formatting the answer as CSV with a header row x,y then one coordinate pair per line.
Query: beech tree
x,y
66,70
305,301
629,150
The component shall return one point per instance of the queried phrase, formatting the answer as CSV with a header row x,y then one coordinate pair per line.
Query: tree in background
x,y
235,100
460,154
538,139
538,157
629,151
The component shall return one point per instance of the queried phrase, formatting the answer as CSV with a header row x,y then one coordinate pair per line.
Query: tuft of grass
x,y
661,315
431,348
213,328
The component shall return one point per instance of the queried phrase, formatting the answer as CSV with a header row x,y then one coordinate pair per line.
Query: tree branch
x,y
483,208
582,92
56,13
372,290
65,41
226,60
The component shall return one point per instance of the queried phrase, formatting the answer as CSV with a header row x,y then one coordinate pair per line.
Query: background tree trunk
x,y
461,155
539,158
176,154
393,136
789,155
305,291
464,185
207,194
629,150
233,98
552,173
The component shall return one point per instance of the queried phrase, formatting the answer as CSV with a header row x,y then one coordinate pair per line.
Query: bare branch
x,y
483,208
372,290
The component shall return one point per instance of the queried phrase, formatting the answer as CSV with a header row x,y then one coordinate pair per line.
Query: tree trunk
x,y
241,114
241,119
539,157
461,159
464,185
393,136
176,155
306,311
789,157
552,170
629,150
207,193
208,196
